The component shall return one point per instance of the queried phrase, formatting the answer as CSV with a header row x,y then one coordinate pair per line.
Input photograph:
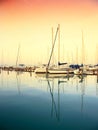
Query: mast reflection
x,y
18,83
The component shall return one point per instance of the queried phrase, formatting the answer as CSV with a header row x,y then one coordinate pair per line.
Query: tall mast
x,y
2,62
52,48
76,55
58,44
83,52
17,54
96,54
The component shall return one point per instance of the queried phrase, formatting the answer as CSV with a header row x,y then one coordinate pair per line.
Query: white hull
x,y
40,70
85,72
59,71
54,71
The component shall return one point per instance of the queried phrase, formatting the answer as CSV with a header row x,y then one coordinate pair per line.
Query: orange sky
x,y
29,23
39,9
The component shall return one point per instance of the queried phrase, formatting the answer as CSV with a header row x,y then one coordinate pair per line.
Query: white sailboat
x,y
56,69
45,69
59,69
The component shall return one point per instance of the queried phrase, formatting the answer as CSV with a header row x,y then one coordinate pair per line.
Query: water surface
x,y
31,102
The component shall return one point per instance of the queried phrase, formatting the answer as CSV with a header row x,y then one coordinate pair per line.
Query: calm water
x,y
32,102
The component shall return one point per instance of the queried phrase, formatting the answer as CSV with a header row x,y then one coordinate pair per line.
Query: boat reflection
x,y
53,102
67,76
18,83
56,107
82,81
97,85
66,94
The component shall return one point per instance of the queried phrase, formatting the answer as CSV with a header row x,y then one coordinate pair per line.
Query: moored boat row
x,y
68,70
53,70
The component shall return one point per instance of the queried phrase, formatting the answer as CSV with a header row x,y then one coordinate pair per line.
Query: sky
x,y
29,23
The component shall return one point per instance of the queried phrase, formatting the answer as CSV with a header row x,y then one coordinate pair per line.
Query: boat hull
x,y
41,70
60,71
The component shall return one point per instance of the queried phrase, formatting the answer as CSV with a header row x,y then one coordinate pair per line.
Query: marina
x,y
56,68
64,70
48,64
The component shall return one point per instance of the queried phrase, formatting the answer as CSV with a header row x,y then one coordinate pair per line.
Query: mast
x,y
52,48
2,61
83,52
58,45
17,54
96,54
76,55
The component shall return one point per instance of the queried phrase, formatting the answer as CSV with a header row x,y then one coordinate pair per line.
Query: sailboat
x,y
45,69
56,69
19,67
59,69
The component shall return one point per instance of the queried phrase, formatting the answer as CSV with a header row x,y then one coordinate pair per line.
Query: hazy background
x,y
29,23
